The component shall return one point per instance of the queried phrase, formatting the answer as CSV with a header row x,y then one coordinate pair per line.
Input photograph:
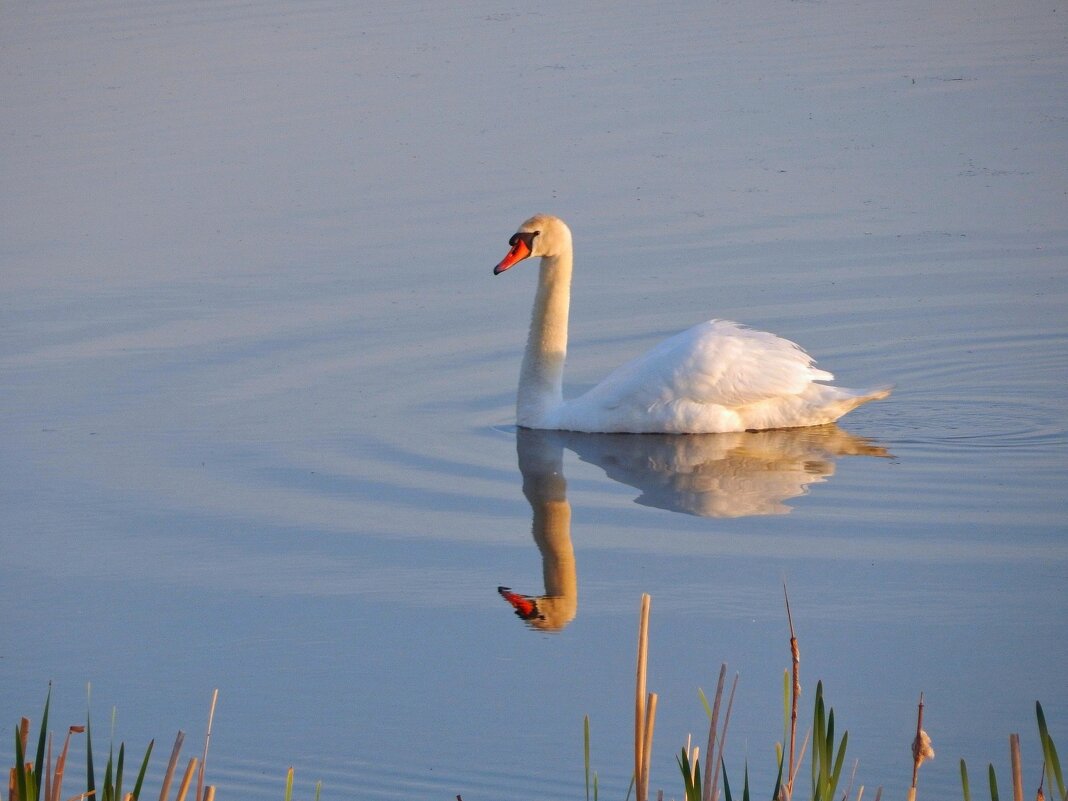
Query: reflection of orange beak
x,y
524,607
517,253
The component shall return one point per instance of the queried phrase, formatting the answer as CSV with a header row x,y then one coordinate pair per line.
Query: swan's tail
x,y
854,398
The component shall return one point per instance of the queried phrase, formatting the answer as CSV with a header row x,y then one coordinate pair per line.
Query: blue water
x,y
258,383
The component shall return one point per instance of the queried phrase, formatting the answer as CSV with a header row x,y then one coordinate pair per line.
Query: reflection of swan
x,y
541,463
721,475
711,475
715,377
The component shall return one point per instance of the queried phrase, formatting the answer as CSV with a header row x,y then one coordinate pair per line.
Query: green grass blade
x,y
289,785
819,731
993,783
704,702
964,781
109,786
745,783
318,789
586,751
90,777
1054,763
827,769
38,766
726,784
781,753
117,795
828,741
141,773
1049,752
691,775
838,762
20,769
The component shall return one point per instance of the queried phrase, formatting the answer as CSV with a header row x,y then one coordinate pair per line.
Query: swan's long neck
x,y
541,377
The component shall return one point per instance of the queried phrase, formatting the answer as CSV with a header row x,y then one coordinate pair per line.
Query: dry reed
x,y
1017,767
921,749
207,742
168,777
187,779
711,749
644,707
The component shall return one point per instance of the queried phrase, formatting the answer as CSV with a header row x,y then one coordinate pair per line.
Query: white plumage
x,y
715,377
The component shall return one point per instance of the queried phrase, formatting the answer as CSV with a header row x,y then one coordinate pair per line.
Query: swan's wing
x,y
716,363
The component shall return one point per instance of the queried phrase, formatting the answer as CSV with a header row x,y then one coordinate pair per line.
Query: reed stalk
x,y
921,749
639,695
187,779
168,777
1017,767
644,707
647,743
55,782
723,741
795,662
713,718
207,742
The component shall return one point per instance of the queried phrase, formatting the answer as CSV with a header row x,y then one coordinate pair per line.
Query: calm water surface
x,y
258,382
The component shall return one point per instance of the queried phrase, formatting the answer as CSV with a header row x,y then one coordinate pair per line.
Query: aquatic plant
x,y
828,754
1052,774
921,750
42,779
825,769
586,758
318,787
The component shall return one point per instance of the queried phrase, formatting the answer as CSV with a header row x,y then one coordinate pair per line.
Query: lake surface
x,y
258,382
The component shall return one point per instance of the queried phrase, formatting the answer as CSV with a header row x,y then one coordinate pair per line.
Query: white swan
x,y
716,377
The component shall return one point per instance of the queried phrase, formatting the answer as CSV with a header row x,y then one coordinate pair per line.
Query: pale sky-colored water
x,y
258,379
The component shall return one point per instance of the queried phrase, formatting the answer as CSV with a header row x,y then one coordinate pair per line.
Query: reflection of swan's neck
x,y
552,533
542,374
541,461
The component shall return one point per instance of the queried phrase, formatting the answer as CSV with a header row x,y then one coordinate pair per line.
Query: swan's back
x,y
717,376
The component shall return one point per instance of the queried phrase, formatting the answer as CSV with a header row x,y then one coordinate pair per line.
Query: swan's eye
x,y
526,237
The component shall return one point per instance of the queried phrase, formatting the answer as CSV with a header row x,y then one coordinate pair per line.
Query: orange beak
x,y
524,607
519,252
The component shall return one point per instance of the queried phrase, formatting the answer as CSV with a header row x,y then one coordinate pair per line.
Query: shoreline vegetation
x,y
42,779
827,758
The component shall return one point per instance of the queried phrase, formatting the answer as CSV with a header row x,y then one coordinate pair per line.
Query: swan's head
x,y
541,235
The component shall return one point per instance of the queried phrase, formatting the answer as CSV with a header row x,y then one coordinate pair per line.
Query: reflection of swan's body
x,y
721,475
541,463
711,475
716,377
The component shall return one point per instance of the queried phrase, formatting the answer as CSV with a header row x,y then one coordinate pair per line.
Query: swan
x,y
716,377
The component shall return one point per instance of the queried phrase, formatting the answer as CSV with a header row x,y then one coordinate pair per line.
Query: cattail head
x,y
921,748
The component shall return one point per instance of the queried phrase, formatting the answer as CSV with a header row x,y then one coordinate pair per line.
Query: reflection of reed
x,y
721,475
710,475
